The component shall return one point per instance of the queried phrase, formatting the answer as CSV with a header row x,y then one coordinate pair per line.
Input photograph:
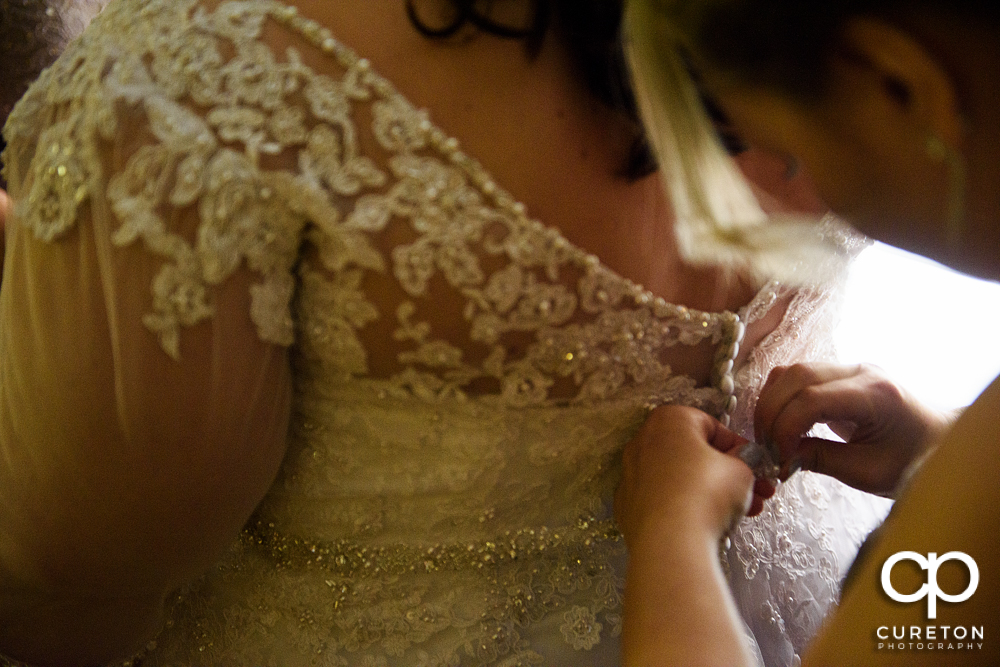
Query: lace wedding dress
x,y
445,499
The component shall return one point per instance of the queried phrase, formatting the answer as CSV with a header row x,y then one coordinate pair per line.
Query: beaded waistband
x,y
346,558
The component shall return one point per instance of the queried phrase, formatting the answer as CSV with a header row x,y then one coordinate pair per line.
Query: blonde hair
x,y
718,217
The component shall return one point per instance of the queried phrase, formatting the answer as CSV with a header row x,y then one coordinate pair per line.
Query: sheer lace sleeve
x,y
145,386
181,142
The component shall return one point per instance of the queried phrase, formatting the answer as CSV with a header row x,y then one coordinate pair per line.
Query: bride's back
x,y
231,217
533,123
538,130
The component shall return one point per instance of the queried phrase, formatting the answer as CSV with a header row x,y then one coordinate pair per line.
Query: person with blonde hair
x,y
326,324
891,106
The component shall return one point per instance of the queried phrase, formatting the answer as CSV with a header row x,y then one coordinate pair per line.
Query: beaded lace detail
x,y
446,494
211,153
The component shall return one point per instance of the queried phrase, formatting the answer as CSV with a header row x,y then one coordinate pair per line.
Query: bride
x,y
325,324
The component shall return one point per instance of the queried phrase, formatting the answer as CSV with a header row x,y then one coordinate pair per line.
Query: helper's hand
x,y
680,473
885,428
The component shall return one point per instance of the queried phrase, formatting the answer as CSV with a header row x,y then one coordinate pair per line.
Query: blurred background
x,y
933,330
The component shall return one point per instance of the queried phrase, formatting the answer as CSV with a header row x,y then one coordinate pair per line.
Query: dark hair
x,y
32,35
787,43
591,31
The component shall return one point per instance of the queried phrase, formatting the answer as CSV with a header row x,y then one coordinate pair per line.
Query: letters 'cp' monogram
x,y
930,590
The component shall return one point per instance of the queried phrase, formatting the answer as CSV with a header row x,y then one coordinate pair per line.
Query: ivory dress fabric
x,y
453,507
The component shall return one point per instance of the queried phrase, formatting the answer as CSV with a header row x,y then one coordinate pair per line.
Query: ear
x,y
910,77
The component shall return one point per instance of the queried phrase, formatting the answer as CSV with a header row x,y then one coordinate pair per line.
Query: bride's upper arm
x,y
145,385
123,466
